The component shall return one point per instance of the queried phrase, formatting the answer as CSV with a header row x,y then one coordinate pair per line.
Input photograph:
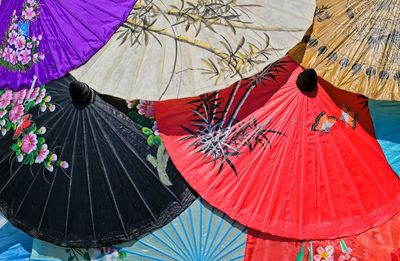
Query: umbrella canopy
x,y
386,118
199,233
173,49
79,172
48,38
14,244
278,154
355,45
380,243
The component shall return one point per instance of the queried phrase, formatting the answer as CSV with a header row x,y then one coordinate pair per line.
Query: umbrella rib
x,y
85,146
221,254
96,142
26,194
70,180
9,180
56,172
154,234
200,232
175,243
78,20
186,251
52,25
215,236
210,221
126,172
136,154
221,240
156,249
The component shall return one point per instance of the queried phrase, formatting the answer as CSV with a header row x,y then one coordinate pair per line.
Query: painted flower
x,y
29,13
2,113
20,42
7,52
20,158
24,56
53,157
3,132
52,107
16,112
5,100
39,99
155,129
42,130
324,254
43,153
145,108
35,58
14,58
19,97
29,143
64,164
130,104
12,37
33,94
49,166
43,107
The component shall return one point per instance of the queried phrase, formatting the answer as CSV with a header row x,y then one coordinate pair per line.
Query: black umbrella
x,y
76,171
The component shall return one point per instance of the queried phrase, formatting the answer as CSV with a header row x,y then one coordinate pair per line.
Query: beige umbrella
x,y
180,48
355,45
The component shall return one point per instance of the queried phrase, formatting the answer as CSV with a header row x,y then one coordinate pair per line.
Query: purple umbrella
x,y
48,38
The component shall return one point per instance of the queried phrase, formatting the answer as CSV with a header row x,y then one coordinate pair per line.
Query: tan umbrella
x,y
355,45
179,48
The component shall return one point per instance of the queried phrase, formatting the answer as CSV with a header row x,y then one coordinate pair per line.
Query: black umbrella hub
x,y
80,93
307,81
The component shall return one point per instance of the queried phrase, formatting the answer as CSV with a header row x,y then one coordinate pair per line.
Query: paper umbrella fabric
x,y
48,38
297,164
15,245
380,243
80,173
173,49
386,118
200,233
355,46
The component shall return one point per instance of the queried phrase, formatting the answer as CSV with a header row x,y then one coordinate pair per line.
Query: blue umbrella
x,y
15,245
200,233
386,118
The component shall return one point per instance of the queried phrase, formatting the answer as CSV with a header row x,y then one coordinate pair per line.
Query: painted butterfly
x,y
23,28
348,117
24,124
323,123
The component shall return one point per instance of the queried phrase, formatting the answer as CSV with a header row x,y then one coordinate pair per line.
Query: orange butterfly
x,y
348,117
25,123
323,123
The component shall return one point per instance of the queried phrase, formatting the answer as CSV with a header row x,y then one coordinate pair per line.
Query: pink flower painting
x,y
29,143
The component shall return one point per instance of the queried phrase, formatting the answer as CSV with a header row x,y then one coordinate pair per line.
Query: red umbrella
x,y
294,163
381,243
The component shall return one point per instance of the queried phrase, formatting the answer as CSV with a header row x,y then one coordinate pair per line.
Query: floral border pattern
x,y
29,145
142,112
19,50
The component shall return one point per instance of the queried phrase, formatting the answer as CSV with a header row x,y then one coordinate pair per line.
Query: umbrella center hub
x,y
307,81
80,93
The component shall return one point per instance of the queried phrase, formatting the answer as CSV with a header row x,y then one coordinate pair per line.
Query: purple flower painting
x,y
48,39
